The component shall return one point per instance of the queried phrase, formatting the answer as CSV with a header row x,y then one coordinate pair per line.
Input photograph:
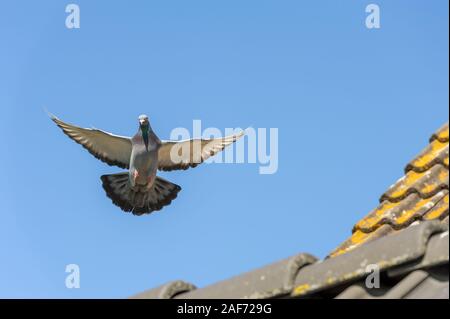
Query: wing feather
x,y
109,148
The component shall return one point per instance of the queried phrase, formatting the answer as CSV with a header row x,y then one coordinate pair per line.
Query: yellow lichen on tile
x,y
406,215
375,217
302,289
443,176
357,238
425,182
439,211
433,151
405,183
443,133
428,188
433,184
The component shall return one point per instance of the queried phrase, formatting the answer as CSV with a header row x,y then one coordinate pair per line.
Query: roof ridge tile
x,y
273,280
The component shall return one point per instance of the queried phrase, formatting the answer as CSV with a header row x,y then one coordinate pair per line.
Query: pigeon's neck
x,y
145,128
148,136
144,131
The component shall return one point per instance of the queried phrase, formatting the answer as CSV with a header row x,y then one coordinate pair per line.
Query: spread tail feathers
x,y
139,200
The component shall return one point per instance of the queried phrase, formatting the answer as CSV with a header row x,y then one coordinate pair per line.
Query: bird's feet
x,y
135,175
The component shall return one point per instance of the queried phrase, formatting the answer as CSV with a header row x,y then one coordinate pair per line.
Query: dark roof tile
x,y
420,284
407,246
166,291
437,253
274,280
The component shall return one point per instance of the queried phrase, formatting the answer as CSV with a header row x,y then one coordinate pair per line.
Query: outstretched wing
x,y
175,155
109,148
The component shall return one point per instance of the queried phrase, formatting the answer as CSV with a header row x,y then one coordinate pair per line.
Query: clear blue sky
x,y
352,106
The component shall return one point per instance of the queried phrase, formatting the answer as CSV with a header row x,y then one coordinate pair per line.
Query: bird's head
x,y
143,121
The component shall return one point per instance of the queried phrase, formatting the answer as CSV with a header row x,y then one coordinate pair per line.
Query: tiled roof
x,y
405,237
412,264
421,247
421,194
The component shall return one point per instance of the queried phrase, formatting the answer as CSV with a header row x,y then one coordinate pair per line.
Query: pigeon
x,y
140,191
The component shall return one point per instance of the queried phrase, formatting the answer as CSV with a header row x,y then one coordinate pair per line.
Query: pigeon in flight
x,y
140,190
